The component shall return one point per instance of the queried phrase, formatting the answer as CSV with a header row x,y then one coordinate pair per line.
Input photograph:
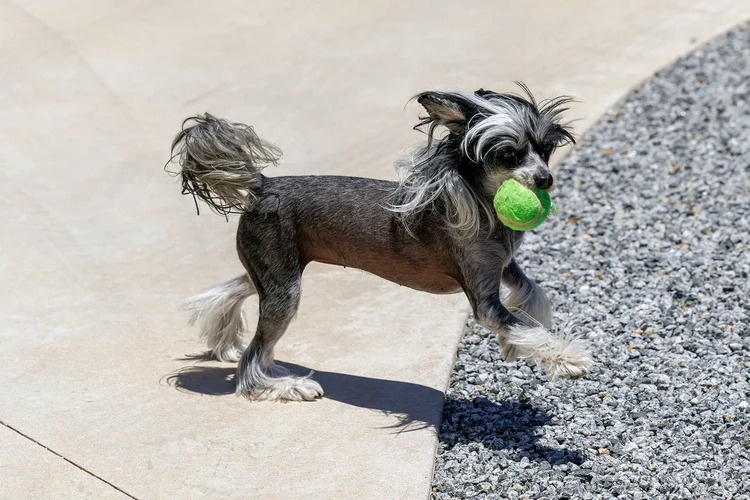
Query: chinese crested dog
x,y
434,231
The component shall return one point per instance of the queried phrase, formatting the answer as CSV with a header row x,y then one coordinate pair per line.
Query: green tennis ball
x,y
520,208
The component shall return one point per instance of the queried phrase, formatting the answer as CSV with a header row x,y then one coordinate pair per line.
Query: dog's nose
x,y
543,180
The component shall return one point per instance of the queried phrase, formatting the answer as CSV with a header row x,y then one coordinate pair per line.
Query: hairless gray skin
x,y
434,231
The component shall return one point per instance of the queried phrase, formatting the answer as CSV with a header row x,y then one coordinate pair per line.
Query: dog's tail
x,y
221,161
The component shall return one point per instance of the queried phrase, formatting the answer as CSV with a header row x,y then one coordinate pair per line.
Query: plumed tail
x,y
221,161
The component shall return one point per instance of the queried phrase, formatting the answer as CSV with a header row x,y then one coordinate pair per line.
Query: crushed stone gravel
x,y
649,259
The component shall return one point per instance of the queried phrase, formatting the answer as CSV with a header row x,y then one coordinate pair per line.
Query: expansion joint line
x,y
67,460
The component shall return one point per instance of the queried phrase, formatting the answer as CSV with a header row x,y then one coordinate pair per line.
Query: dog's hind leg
x,y
526,296
258,377
269,252
218,311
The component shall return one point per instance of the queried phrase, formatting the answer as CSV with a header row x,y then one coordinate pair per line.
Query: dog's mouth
x,y
494,182
534,187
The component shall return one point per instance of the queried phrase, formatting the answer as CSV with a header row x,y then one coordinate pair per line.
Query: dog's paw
x,y
559,356
287,389
305,389
509,350
572,361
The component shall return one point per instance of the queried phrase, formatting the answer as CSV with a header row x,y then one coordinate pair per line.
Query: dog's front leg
x,y
482,285
560,357
525,295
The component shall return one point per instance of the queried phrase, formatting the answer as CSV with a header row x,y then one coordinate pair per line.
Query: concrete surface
x,y
28,470
99,247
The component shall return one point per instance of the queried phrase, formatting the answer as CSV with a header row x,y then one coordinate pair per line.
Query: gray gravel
x,y
650,260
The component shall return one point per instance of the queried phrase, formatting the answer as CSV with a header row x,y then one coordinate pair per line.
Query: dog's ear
x,y
485,93
446,109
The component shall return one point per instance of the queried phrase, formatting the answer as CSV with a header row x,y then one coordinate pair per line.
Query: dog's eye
x,y
508,155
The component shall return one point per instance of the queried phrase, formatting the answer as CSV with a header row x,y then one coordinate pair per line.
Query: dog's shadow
x,y
412,404
511,424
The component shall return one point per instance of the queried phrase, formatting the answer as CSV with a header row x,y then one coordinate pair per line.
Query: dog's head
x,y
498,136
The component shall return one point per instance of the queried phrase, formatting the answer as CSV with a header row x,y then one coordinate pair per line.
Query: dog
x,y
435,230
